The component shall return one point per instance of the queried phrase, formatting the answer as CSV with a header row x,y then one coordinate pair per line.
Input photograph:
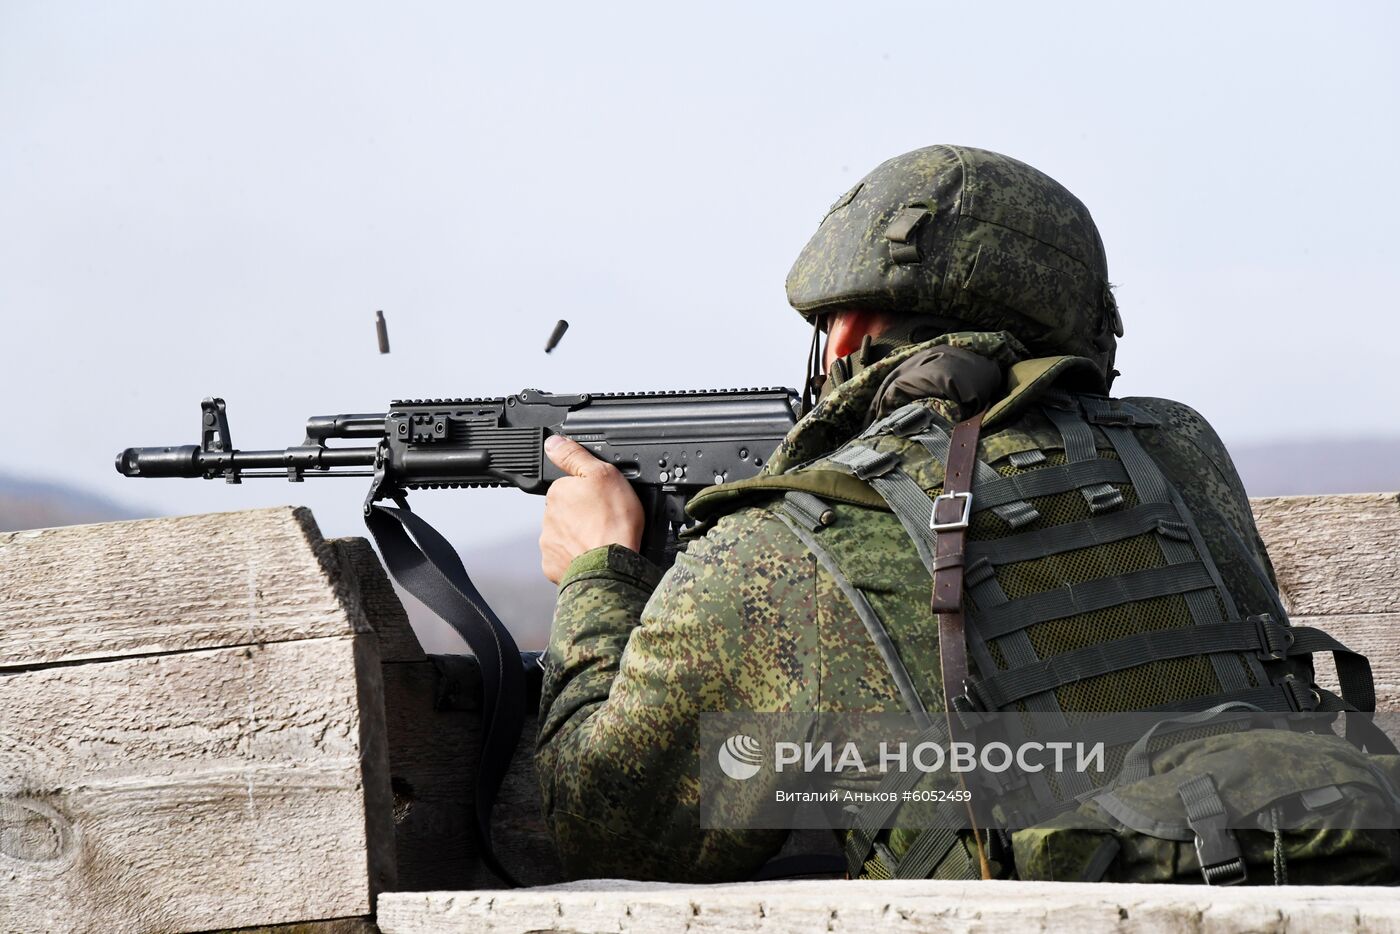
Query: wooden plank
x,y
375,600
337,926
900,906
1334,555
201,790
168,585
433,759
377,800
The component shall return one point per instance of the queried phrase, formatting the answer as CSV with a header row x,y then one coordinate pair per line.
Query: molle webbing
x,y
1072,536
869,821
1132,505
1047,481
1079,446
1099,594
1152,487
929,431
1015,514
913,508
1018,675
1001,690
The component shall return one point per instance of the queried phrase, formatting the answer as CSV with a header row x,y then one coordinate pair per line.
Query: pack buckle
x,y
963,519
1219,854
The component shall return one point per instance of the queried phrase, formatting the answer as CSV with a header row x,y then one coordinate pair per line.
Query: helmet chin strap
x,y
812,385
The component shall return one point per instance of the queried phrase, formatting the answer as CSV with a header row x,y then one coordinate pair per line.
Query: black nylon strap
x,y
1152,486
870,818
1353,668
1072,536
1007,687
1361,730
1137,761
1113,729
1222,862
1047,481
1079,446
428,567
1093,595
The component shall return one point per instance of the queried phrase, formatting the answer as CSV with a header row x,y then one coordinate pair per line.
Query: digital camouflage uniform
x,y
747,620
994,258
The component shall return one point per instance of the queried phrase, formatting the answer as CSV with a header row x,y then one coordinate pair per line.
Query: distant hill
x,y
507,570
37,504
1324,465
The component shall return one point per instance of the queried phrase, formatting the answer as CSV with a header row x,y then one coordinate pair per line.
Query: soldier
x,y
948,282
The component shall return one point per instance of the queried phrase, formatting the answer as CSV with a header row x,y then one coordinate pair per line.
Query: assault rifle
x,y
668,445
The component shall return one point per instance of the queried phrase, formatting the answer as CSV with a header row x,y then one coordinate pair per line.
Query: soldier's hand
x,y
591,507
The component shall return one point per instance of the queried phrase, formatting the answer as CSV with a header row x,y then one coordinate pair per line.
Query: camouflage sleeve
x,y
627,679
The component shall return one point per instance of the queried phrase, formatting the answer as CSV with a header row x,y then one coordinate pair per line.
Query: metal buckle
x,y
962,521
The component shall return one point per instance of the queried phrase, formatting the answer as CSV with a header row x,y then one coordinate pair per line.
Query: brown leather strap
x,y
951,512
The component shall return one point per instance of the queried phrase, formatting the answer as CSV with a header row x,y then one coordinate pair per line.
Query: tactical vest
x,y
1089,586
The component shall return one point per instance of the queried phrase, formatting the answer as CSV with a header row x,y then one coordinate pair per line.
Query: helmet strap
x,y
812,385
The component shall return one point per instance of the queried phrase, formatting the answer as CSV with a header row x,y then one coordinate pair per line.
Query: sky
x,y
214,198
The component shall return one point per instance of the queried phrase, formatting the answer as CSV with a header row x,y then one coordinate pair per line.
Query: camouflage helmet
x,y
971,239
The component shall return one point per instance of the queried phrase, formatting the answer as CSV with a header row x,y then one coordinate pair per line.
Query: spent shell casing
x,y
555,335
382,329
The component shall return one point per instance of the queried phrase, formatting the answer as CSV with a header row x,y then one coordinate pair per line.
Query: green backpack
x,y
1262,806
1090,587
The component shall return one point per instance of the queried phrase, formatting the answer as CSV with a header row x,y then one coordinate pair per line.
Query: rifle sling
x,y
425,564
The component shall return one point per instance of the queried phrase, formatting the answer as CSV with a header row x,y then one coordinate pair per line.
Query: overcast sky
x,y
213,198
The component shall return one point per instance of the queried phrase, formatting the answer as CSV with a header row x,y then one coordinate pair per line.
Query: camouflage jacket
x,y
747,620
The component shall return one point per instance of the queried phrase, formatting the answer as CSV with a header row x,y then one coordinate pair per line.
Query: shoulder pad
x,y
829,484
1028,380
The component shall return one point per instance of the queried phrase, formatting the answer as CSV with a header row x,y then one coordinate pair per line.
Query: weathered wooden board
x,y
169,585
897,906
337,926
1334,555
434,732
191,727
434,729
1338,564
187,792
370,597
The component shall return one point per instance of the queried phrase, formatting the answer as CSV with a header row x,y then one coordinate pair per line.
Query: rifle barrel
x,y
187,460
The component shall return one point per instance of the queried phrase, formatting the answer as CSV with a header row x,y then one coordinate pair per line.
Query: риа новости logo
x,y
740,757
